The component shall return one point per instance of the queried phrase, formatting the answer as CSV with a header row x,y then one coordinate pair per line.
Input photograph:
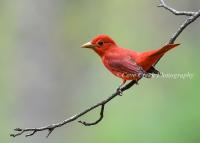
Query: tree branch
x,y
191,17
97,121
186,13
50,128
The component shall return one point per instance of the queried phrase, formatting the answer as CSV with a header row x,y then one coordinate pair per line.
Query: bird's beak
x,y
88,45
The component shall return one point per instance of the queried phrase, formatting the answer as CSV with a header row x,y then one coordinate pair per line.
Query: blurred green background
x,y
46,77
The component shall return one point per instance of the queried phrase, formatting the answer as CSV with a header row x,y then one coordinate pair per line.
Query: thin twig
x,y
97,121
191,17
186,13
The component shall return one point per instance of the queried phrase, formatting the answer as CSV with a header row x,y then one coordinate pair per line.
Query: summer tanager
x,y
125,63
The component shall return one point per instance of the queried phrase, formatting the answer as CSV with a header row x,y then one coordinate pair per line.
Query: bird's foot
x,y
148,75
119,91
152,70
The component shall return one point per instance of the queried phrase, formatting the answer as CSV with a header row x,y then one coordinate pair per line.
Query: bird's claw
x,y
119,91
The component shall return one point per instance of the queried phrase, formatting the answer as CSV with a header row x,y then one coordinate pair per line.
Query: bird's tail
x,y
163,50
157,55
150,58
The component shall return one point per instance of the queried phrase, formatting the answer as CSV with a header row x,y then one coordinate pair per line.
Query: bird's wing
x,y
125,65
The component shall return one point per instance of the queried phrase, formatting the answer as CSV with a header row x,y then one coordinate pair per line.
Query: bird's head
x,y
100,44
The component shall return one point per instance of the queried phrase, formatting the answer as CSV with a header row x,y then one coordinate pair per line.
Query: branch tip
x,y
30,134
160,5
50,131
18,129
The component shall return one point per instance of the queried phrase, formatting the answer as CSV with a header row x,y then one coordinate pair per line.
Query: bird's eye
x,y
100,43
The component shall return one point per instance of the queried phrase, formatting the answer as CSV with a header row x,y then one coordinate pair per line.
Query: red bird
x,y
125,63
